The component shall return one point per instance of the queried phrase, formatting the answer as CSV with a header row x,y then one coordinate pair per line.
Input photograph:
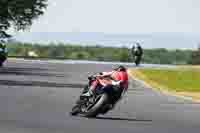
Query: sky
x,y
124,17
120,16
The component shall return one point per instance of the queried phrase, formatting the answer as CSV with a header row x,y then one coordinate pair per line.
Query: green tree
x,y
19,13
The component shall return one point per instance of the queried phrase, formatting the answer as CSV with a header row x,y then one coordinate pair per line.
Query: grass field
x,y
185,79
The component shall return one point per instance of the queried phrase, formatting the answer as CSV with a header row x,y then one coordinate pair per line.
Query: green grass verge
x,y
187,80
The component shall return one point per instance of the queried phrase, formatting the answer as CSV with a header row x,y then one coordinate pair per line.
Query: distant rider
x,y
138,54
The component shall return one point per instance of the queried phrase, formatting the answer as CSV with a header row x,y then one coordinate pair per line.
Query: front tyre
x,y
75,110
138,60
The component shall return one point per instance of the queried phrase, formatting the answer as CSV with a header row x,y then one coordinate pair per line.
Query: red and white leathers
x,y
118,78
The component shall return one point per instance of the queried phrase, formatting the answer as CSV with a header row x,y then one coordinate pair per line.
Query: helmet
x,y
120,68
138,45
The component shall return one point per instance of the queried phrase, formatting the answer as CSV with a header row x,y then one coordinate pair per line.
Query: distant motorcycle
x,y
137,53
101,103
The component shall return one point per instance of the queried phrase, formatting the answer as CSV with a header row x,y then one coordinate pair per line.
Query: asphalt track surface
x,y
37,98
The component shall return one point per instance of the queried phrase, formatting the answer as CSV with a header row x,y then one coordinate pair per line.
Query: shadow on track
x,y
22,69
28,71
121,119
31,74
39,84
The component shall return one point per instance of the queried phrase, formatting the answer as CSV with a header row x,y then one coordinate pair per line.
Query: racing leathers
x,y
118,80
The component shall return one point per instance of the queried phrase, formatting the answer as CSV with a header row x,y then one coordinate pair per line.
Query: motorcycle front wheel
x,y
75,110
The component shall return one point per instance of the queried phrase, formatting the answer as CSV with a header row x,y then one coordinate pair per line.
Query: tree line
x,y
100,53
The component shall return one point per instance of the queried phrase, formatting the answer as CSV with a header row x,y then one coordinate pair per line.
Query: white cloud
x,y
120,16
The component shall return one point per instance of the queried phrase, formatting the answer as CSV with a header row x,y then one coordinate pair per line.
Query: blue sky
x,y
121,17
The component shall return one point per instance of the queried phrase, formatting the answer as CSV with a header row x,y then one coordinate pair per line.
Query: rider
x,y
118,81
138,54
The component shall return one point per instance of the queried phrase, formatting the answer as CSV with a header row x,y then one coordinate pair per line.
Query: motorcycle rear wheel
x,y
95,110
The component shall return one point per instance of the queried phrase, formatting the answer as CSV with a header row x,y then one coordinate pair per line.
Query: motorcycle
x,y
137,55
103,101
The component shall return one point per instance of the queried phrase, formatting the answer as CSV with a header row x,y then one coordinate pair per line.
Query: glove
x,y
116,82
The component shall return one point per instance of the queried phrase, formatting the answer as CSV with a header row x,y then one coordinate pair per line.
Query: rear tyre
x,y
106,109
95,110
137,63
